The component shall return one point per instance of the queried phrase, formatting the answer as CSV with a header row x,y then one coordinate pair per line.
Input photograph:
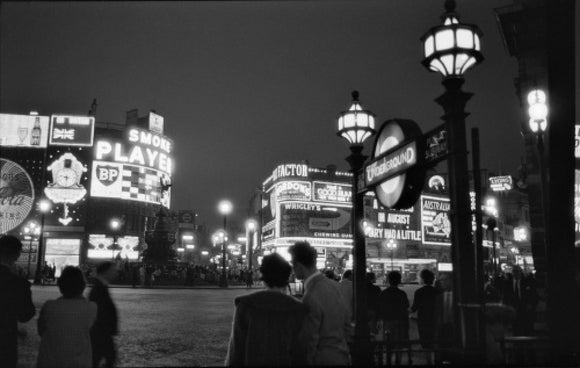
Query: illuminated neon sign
x,y
144,149
290,170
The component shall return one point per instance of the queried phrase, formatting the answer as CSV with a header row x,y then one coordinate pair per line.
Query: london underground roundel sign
x,y
396,170
16,195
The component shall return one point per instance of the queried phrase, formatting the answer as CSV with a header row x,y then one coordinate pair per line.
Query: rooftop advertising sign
x,y
134,169
332,192
501,183
319,220
29,131
290,170
66,130
435,224
16,195
156,123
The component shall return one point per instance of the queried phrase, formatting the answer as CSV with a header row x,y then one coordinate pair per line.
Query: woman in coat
x,y
267,324
64,324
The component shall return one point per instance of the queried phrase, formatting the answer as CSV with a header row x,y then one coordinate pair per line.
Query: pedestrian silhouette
x,y
15,300
267,324
106,325
64,324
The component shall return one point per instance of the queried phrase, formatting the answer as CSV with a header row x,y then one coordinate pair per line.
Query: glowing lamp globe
x,y
225,207
538,110
356,124
452,47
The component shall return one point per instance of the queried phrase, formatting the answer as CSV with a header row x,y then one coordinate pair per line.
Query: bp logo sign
x,y
16,195
397,170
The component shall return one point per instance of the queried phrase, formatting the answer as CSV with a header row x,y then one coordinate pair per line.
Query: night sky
x,y
244,86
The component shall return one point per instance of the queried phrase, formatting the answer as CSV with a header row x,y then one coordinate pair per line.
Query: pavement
x,y
161,326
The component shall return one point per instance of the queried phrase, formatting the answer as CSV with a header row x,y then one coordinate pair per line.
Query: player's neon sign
x,y
144,149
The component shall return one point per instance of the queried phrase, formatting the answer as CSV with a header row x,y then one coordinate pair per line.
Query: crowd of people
x,y
272,326
74,331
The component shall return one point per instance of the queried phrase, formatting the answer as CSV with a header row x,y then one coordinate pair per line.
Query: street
x,y
161,327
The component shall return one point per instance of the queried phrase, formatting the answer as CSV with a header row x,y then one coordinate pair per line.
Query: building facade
x,y
104,183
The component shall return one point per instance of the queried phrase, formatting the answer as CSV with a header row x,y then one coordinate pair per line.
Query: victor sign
x,y
396,171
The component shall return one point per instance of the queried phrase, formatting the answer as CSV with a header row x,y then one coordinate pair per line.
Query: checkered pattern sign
x,y
141,184
129,182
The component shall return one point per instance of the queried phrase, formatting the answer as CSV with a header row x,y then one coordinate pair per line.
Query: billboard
x,y
501,183
103,247
135,169
27,131
129,182
403,226
156,123
318,220
435,223
16,195
332,192
293,191
66,130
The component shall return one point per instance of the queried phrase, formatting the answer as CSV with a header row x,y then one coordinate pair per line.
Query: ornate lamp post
x,y
451,49
225,207
43,206
538,111
356,125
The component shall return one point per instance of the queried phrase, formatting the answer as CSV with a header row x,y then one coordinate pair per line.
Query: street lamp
x,y
451,49
356,125
490,208
115,225
30,231
251,227
43,206
225,207
538,111
392,246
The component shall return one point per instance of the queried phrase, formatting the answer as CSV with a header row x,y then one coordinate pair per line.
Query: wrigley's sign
x,y
391,164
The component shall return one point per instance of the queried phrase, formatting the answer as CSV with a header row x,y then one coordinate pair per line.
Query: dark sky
x,y
244,86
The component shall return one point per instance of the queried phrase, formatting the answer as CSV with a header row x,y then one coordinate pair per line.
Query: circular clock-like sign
x,y
16,195
401,137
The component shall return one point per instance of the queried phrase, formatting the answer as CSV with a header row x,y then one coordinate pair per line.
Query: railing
x,y
408,352
525,350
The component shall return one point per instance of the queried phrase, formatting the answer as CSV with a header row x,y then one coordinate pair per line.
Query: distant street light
x,y
225,207
392,246
115,225
44,206
31,230
251,227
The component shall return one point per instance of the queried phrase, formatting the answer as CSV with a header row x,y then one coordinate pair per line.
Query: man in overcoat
x,y
328,320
